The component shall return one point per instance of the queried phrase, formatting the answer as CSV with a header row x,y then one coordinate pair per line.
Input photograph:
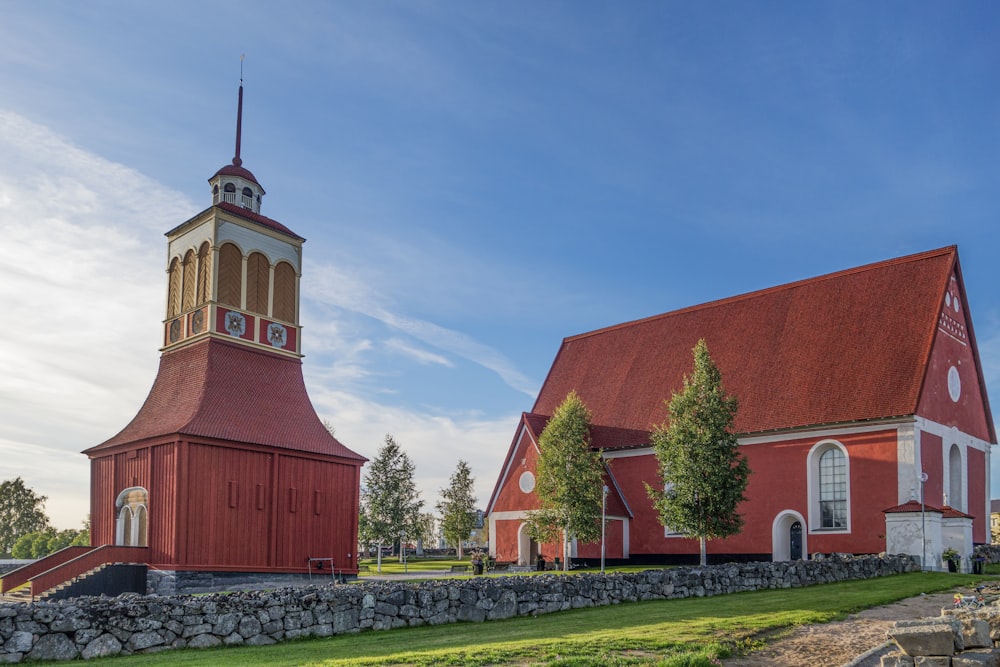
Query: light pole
x,y
923,528
604,521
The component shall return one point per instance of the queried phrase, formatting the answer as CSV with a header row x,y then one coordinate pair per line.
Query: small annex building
x,y
226,475
850,387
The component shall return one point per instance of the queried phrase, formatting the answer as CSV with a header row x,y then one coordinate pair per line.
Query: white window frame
x,y
815,523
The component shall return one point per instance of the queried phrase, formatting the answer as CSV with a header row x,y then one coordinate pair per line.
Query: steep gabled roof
x,y
845,347
220,390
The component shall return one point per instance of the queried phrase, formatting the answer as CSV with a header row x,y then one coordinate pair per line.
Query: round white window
x,y
954,384
527,481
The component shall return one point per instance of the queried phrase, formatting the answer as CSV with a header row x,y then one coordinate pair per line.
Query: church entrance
x,y
795,538
133,517
527,548
788,539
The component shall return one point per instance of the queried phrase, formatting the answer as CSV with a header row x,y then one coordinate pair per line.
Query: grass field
x,y
671,633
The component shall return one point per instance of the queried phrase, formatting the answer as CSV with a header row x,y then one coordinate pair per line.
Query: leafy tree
x,y
570,479
22,511
458,507
40,545
390,501
704,474
22,548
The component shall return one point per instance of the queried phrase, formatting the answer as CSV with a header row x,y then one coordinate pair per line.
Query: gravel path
x,y
841,642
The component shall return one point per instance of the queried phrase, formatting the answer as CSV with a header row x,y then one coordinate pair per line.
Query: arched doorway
x,y
795,541
527,548
131,527
788,536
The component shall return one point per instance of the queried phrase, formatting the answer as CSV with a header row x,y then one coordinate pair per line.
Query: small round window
x,y
527,481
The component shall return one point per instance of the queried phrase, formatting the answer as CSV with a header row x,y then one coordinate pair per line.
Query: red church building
x,y
226,475
858,391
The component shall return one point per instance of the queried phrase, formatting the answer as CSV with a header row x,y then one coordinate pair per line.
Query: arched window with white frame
x,y
132,522
829,482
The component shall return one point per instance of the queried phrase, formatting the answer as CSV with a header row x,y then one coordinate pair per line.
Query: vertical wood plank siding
x,y
222,507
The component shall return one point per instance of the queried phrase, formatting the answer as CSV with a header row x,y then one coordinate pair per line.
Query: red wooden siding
x,y
102,510
162,533
314,512
217,533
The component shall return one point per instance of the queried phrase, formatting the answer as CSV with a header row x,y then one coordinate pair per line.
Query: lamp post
x,y
604,521
923,528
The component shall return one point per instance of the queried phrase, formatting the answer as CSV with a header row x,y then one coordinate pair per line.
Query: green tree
x,y
569,479
40,545
390,501
22,511
458,507
22,548
703,472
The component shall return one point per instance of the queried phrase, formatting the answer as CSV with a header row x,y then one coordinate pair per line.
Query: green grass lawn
x,y
692,632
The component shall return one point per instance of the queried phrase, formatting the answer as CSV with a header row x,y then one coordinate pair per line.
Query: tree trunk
x,y
378,558
458,550
565,550
704,554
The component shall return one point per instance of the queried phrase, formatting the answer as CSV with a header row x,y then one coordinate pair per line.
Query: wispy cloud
x,y
419,355
332,287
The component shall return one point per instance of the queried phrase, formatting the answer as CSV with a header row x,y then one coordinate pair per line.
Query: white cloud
x,y
434,443
420,356
330,286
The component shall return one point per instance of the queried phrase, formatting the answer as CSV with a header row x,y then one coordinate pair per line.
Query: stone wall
x,y
91,627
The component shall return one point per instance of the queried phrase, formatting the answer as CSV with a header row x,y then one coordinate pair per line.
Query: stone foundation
x,y
185,582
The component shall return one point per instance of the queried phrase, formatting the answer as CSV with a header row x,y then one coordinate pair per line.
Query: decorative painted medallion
x,y
276,335
527,481
198,321
954,384
236,324
175,331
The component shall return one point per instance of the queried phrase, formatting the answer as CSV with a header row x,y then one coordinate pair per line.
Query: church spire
x,y
237,161
234,183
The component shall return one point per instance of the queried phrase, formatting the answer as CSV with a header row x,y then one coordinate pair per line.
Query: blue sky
x,y
476,181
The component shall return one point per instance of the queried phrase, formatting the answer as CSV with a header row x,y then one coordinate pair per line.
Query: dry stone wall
x,y
95,627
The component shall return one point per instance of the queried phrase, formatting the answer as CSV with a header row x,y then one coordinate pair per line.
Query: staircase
x,y
76,571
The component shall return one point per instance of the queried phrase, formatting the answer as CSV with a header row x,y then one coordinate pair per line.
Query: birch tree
x,y
703,473
569,479
458,507
390,501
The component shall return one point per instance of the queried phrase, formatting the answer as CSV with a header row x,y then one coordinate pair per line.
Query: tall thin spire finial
x,y
237,161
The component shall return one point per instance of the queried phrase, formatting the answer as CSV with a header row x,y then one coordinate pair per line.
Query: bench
x,y
501,567
459,569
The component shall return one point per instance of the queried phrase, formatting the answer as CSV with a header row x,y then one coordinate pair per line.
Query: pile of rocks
x,y
957,638
93,627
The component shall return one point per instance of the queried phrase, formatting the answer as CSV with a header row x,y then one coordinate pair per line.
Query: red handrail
x,y
102,555
21,575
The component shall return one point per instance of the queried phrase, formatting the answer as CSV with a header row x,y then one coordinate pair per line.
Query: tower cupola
x,y
234,183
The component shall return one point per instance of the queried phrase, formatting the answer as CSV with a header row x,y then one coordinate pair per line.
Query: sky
x,y
475,181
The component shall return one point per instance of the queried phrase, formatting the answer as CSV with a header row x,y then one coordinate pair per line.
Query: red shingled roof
x,y
849,346
240,171
226,391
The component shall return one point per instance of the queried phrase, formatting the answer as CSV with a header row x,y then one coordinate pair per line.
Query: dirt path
x,y
838,643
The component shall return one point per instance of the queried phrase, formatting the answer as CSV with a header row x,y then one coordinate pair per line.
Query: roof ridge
x,y
905,259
